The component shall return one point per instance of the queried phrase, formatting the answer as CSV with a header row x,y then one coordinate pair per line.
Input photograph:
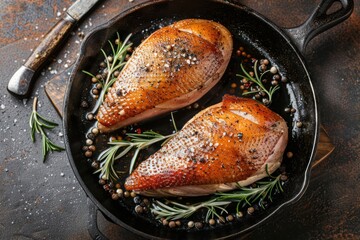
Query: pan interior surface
x,y
250,30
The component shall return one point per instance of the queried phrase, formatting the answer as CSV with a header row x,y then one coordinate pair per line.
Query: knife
x,y
23,78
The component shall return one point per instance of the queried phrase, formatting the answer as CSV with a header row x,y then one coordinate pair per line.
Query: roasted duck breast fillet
x,y
172,68
224,145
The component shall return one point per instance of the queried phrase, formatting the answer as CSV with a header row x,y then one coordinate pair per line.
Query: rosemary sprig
x,y
38,124
179,211
138,141
258,81
118,62
245,195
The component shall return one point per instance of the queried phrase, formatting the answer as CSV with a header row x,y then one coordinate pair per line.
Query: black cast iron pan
x,y
283,47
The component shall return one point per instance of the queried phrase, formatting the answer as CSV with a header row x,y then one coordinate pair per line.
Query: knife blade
x,y
20,83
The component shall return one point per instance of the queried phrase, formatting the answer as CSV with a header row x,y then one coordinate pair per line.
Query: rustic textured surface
x,y
44,201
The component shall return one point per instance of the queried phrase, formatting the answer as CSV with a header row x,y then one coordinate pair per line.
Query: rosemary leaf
x,y
38,124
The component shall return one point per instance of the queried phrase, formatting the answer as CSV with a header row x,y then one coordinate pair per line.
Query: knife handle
x,y
49,43
20,83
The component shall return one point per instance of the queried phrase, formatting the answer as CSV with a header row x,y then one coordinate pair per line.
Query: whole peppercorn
x,y
139,209
114,196
190,224
230,218
250,210
95,164
165,222
273,70
95,91
95,131
91,136
172,224
239,214
120,192
199,225
88,153
102,65
102,181
92,148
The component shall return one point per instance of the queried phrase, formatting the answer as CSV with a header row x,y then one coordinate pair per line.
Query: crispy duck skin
x,y
172,68
224,145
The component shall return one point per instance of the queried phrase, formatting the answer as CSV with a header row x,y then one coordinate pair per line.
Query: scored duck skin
x,y
224,145
172,68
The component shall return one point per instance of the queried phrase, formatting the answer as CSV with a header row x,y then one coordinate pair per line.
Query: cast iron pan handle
x,y
93,228
319,21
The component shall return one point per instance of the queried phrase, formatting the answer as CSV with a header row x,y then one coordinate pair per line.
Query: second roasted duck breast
x,y
223,146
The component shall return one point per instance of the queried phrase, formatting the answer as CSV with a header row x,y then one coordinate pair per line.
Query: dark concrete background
x,y
44,200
